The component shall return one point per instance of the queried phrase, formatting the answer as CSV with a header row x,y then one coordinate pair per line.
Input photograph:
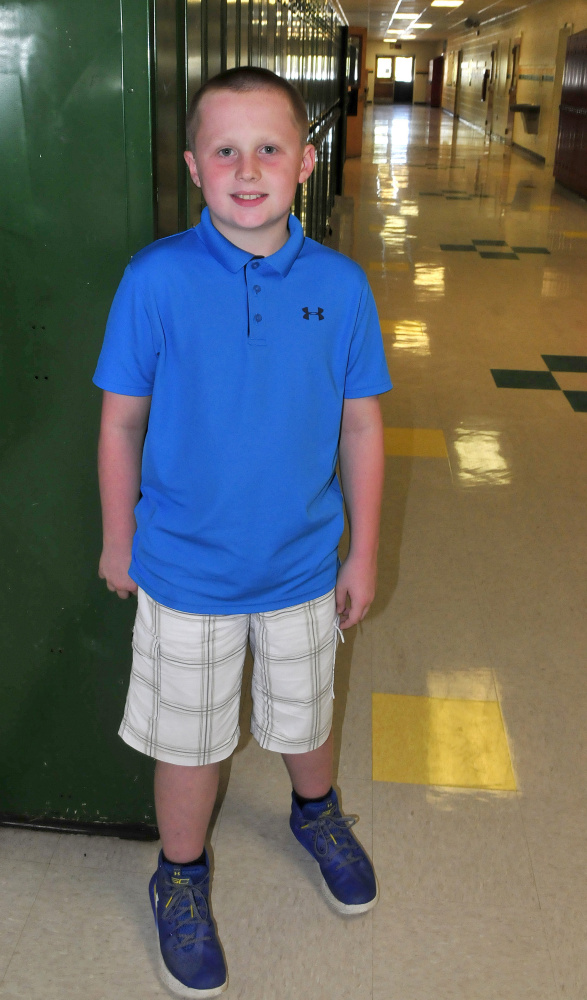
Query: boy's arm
x,y
120,448
362,468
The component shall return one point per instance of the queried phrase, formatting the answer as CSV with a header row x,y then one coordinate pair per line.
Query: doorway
x,y
403,74
489,92
383,87
458,78
514,69
394,80
570,167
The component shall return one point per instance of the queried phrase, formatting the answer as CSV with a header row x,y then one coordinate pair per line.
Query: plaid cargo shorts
x,y
184,695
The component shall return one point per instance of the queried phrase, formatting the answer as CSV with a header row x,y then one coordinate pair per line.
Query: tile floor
x,y
481,612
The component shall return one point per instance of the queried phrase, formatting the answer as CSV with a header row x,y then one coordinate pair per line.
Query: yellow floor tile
x,y
440,741
571,235
416,442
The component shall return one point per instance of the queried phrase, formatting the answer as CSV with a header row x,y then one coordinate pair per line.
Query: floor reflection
x,y
480,460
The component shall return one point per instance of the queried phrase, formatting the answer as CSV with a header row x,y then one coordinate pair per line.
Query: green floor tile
x,y
577,399
490,255
513,378
565,362
531,250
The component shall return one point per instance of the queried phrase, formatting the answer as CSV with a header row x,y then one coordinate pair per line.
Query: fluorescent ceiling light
x,y
446,3
406,37
404,17
418,25
390,39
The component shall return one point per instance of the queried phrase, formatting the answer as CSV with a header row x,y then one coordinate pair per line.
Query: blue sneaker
x,y
191,960
349,880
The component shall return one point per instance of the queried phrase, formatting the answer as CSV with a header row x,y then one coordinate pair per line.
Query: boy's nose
x,y
248,168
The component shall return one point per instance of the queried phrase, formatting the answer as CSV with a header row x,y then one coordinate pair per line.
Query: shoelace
x,y
186,908
335,840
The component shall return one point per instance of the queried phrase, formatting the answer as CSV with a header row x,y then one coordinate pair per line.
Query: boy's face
x,y
248,160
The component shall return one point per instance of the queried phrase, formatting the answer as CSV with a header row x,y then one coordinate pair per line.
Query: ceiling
x,y
375,15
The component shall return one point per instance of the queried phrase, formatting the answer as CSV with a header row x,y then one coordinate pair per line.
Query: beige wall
x,y
541,27
423,51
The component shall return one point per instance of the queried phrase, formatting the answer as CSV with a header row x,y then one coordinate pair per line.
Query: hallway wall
x,y
540,72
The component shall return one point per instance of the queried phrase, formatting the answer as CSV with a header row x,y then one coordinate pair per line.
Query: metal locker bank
x,y
92,108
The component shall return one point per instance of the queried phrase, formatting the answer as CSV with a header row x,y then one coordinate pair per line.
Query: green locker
x,y
77,201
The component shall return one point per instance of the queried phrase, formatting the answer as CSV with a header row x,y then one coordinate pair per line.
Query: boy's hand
x,y
355,590
114,570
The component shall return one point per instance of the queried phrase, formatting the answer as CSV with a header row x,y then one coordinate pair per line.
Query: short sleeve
x,y
132,341
367,373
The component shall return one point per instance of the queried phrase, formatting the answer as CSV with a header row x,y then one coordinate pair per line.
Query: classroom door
x,y
488,93
570,167
513,91
458,83
383,88
403,76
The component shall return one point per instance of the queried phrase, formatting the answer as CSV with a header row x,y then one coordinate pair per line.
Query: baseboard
x,y
478,128
529,154
124,831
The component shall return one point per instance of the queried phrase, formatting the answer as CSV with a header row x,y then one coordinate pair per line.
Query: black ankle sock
x,y
187,864
301,801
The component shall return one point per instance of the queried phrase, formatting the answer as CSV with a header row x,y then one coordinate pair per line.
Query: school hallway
x,y
461,701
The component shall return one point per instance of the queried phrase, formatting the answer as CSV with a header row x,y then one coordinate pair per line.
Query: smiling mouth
x,y
248,197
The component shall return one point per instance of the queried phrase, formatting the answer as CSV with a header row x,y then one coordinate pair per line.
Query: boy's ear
x,y
308,162
189,159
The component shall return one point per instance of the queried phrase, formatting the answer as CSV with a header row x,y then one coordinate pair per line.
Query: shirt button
x,y
257,288
255,264
258,317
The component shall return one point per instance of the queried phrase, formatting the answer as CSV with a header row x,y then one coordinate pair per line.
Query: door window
x,y
384,67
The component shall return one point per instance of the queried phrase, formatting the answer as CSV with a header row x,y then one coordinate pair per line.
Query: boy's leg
x,y
292,694
183,703
311,772
184,800
191,962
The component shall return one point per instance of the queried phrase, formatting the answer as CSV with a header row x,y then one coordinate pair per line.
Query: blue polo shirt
x,y
248,361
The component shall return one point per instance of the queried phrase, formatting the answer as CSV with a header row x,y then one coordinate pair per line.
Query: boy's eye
x,y
268,149
225,151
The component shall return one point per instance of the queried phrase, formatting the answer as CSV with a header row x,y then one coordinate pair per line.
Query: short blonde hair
x,y
244,79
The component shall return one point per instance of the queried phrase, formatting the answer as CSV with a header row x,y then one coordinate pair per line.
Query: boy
x,y
249,351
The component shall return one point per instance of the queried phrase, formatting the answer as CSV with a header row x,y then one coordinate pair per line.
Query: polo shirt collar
x,y
233,258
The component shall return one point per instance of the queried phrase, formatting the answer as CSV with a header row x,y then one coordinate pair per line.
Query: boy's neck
x,y
258,243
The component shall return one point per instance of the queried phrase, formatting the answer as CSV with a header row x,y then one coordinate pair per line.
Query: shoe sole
x,y
179,989
170,981
348,909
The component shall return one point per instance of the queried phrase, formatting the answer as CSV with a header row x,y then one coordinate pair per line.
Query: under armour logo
x,y
307,313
